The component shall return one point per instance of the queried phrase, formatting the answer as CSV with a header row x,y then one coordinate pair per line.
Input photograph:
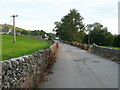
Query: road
x,y
76,68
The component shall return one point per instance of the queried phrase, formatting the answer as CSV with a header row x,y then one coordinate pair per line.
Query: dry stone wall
x,y
27,71
107,52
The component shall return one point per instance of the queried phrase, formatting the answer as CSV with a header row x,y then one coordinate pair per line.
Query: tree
x,y
51,36
89,28
24,32
38,32
70,25
99,34
81,36
116,41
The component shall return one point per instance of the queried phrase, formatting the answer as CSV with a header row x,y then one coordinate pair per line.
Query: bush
x,y
25,32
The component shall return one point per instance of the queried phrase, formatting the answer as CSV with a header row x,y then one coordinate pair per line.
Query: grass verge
x,y
117,48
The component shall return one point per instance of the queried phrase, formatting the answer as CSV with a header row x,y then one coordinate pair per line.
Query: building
x,y
5,30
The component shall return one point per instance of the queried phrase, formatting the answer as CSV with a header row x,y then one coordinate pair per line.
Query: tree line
x,y
72,28
41,33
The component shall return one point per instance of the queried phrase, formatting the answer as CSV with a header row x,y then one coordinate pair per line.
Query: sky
x,y
41,14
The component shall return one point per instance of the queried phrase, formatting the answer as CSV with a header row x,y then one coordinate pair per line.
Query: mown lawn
x,y
118,48
23,46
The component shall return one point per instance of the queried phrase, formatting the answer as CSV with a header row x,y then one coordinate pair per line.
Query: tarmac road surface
x,y
76,68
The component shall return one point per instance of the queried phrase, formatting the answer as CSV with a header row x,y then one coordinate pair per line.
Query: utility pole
x,y
14,41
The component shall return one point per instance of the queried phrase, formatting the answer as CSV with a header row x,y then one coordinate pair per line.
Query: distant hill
x,y
10,27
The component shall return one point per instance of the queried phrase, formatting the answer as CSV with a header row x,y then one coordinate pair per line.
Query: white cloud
x,y
41,14
112,25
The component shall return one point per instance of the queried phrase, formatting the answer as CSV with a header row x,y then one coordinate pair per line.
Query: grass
x,y
10,26
117,48
23,46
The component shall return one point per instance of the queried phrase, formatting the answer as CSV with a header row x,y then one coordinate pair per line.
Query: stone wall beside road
x,y
107,52
27,71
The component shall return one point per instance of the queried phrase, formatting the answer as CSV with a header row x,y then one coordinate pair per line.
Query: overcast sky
x,y
41,14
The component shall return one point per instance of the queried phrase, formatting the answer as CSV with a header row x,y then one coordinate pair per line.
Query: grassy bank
x,y
118,48
23,46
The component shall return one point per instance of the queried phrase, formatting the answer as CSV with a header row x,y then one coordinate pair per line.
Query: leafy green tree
x,y
24,32
70,25
42,32
85,39
51,35
81,36
38,32
89,28
99,34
